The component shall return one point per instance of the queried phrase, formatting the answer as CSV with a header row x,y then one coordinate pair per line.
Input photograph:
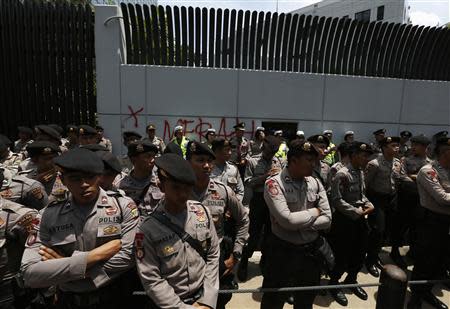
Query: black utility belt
x,y
308,247
90,298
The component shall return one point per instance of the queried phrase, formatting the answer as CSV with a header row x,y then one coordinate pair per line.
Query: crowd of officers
x,y
82,228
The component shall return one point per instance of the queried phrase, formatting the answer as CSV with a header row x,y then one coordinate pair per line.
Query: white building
x,y
365,10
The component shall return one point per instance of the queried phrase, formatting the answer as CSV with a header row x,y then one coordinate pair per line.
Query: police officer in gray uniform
x,y
240,148
155,140
382,179
349,229
258,169
141,183
433,242
16,223
321,169
25,138
228,214
299,209
177,249
128,137
85,243
23,190
223,170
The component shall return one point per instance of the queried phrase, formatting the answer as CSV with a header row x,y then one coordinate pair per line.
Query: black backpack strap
x,y
185,237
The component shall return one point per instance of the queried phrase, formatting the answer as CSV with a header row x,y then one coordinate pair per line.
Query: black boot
x,y
434,301
242,272
373,270
339,297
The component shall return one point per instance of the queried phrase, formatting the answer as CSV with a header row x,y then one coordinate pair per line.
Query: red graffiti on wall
x,y
133,114
199,127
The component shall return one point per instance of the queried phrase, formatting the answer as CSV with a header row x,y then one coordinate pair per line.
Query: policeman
x,y
382,178
321,170
256,144
9,159
72,136
299,209
128,137
87,135
210,136
23,190
349,136
180,139
152,138
16,224
25,138
408,198
85,243
433,230
111,170
102,140
42,154
434,138
49,134
379,136
141,183
258,169
177,249
300,135
405,144
228,214
224,171
344,154
330,158
240,148
349,229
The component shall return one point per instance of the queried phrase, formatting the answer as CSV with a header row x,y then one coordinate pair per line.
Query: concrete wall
x,y
131,96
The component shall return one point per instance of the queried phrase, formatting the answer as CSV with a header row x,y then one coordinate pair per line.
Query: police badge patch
x,y
139,245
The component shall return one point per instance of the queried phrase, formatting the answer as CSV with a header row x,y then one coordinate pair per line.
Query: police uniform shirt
x,y
256,147
321,172
106,143
134,187
333,171
404,149
12,162
158,142
150,201
21,147
229,174
27,165
411,165
348,189
126,164
171,269
257,167
382,176
16,223
219,199
291,204
53,185
73,231
239,148
433,183
25,191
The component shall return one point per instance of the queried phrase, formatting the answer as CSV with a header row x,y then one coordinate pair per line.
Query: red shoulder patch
x,y
433,175
272,187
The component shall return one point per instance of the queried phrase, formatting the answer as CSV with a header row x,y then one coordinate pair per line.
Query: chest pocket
x,y
63,242
170,254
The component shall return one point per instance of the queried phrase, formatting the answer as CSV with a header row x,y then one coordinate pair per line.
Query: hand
x,y
360,211
197,305
104,252
318,213
48,254
229,264
368,209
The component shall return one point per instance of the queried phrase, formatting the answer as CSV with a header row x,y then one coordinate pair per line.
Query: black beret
x,y
94,147
272,142
25,130
196,148
49,131
405,134
81,160
420,139
5,140
175,167
3,147
173,147
389,139
240,126
344,148
357,147
138,147
128,134
319,138
86,130
298,147
109,160
99,128
443,141
38,148
379,131
220,143
440,134
72,128
57,128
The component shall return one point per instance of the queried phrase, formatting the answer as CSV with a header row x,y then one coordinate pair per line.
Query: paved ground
x,y
252,301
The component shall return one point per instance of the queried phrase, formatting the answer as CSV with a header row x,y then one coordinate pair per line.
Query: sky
x,y
422,12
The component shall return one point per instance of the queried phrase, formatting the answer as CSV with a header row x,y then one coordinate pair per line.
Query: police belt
x,y
96,297
302,248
